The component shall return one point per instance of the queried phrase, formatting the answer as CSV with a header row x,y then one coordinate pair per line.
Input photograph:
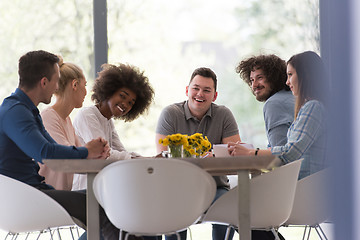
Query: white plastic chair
x,y
311,203
25,209
271,200
155,196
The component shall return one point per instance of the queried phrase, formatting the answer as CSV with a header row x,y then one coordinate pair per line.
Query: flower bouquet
x,y
175,143
180,145
197,145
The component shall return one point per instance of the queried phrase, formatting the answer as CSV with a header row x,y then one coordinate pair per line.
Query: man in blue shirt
x,y
23,139
266,77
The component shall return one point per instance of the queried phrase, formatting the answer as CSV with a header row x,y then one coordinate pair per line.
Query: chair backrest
x,y
271,199
153,196
24,208
311,203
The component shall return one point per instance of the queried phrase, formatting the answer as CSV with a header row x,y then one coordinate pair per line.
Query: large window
x,y
168,40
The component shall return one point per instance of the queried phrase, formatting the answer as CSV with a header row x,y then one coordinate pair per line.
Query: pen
x,y
207,154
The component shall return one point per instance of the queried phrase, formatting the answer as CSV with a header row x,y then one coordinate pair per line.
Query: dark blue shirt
x,y
24,141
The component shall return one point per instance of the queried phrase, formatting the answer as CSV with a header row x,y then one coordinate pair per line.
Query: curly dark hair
x,y
111,78
274,69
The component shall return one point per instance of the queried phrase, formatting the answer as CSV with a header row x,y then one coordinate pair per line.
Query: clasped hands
x,y
98,149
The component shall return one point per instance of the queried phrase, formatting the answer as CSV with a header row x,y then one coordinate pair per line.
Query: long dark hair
x,y
312,78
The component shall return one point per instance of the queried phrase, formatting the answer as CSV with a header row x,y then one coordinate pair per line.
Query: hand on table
x,y
236,149
98,148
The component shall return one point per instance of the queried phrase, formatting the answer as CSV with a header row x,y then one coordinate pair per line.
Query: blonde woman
x,y
69,95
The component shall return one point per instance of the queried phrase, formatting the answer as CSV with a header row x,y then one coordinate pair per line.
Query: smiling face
x,y
292,80
119,104
259,85
201,93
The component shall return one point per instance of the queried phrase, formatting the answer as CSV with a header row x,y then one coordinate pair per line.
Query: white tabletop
x,y
213,165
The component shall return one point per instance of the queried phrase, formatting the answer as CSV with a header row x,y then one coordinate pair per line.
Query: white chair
x,y
271,200
311,203
25,209
153,196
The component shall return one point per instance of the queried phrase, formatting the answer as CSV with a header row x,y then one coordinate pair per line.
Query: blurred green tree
x,y
168,40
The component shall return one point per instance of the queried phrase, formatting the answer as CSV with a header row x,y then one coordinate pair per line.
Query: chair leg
x,y
304,232
71,232
178,235
275,234
227,234
121,234
308,237
77,231
39,235
6,236
27,235
58,232
51,234
13,236
190,233
320,232
126,236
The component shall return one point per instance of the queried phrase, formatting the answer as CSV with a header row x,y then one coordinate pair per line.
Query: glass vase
x,y
175,151
190,153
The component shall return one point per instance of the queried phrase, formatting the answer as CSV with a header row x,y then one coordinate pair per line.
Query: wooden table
x,y
215,166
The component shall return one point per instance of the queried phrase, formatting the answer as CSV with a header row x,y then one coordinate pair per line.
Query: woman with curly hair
x,y
120,92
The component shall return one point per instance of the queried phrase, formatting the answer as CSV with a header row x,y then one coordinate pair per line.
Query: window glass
x,y
168,40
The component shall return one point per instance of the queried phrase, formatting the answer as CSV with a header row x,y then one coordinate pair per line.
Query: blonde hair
x,y
68,72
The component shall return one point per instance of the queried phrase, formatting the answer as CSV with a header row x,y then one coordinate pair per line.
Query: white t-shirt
x,y
90,124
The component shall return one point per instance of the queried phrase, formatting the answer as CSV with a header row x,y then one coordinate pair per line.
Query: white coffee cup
x,y
221,150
